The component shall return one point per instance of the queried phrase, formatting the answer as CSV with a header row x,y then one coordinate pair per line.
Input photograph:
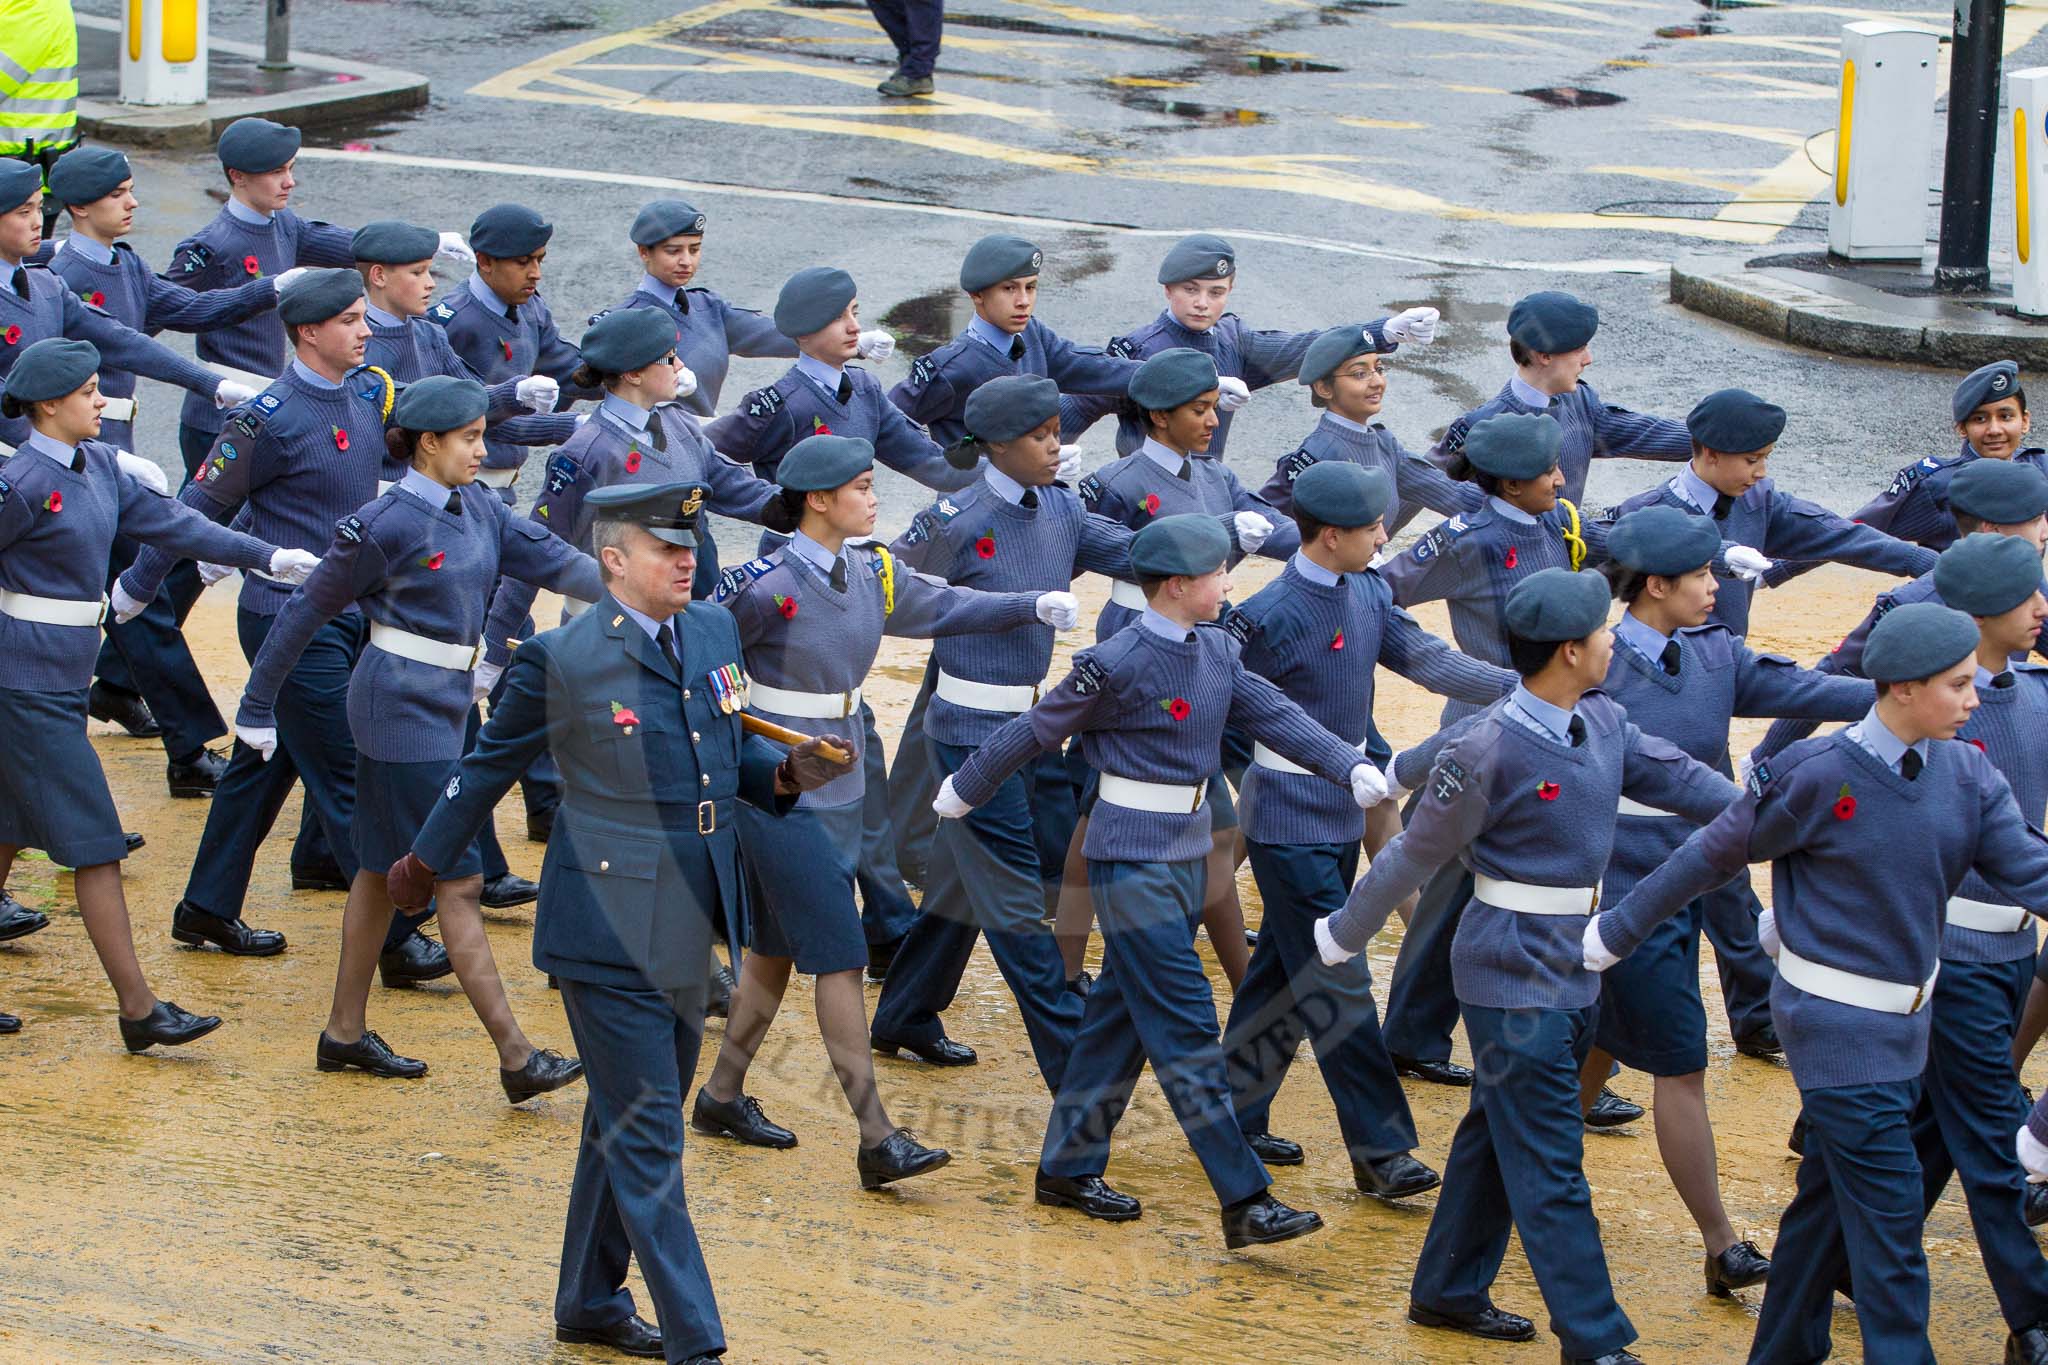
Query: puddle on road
x,y
1208,115
928,321
1278,63
1570,97
1706,28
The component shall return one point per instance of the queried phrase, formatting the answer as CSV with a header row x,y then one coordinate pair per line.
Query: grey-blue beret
x,y
812,299
507,231
1340,493
1986,384
1203,256
85,174
2002,492
1552,322
1189,544
1555,605
318,295
390,242
1332,349
626,339
440,402
52,368
257,145
668,511
1513,445
1919,640
18,181
1735,421
663,219
1986,575
1011,405
1170,378
992,260
1663,540
818,463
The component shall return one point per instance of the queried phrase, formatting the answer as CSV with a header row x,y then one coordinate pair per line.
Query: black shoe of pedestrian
x,y
1490,1323
941,1051
545,1070
900,86
898,1156
368,1053
1762,1043
1081,983
166,1024
2037,1204
539,825
1274,1151
740,1119
196,928
1434,1071
417,958
1612,1111
1089,1194
134,841
1611,1358
197,778
1795,1141
10,1023
1394,1177
1262,1219
124,709
319,879
1739,1267
2027,1348
881,957
632,1336
504,892
17,920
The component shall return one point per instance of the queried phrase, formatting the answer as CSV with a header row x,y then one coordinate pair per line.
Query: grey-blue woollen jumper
x,y
2008,725
1417,482
1591,430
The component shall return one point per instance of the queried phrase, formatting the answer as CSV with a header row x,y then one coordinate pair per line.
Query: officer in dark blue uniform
x,y
639,699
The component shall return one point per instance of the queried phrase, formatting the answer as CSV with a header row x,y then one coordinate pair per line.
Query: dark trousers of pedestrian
x,y
914,27
886,910
1517,1162
1153,1003
1422,1009
147,655
986,878
1857,1206
639,1049
912,785
1289,993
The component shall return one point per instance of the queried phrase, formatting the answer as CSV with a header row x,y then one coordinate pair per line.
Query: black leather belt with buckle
x,y
707,817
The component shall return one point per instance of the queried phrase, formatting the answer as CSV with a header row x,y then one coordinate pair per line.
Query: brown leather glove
x,y
410,882
807,770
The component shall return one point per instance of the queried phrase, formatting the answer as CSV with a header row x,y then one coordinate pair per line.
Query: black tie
x,y
1910,764
78,462
1016,342
839,574
1577,730
1186,468
845,389
1721,505
655,434
2002,680
682,302
1030,498
20,282
666,638
1670,657
454,503
511,312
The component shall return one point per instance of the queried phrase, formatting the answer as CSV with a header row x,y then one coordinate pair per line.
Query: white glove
x,y
1379,561
1070,464
453,248
1592,951
231,394
484,679
210,574
1412,326
1744,766
1747,564
284,280
1060,610
876,346
261,738
947,804
1252,530
1326,945
1232,393
293,566
124,607
1767,933
1368,786
2033,1156
686,381
144,472
538,392
584,416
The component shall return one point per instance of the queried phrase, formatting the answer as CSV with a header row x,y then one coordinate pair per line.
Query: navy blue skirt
x,y
800,870
393,801
53,792
1650,1013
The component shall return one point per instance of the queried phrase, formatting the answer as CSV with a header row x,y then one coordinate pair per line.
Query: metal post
x,y
277,35
1963,263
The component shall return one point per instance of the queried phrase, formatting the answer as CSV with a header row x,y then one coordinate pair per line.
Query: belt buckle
x,y
106,604
707,817
476,655
1595,905
845,704
1919,998
1201,792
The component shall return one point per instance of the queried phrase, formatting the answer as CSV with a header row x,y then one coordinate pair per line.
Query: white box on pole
x,y
1884,140
163,51
2026,102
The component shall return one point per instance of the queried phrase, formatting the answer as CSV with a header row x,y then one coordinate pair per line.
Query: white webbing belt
x,y
1010,699
53,611
1847,988
1628,807
1161,798
1279,763
423,650
810,705
254,381
1126,594
497,478
1526,898
118,410
1985,917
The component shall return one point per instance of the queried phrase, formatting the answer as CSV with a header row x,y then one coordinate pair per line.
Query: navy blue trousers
x,y
1859,1200
1152,1002
148,656
886,910
987,877
912,785
914,27
639,1051
1289,994
1422,1009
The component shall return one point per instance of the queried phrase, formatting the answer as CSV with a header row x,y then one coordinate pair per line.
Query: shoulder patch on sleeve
x,y
563,471
1885,602
5,489
921,371
1447,779
350,529
736,580
196,256
1292,466
1240,625
1454,436
764,402
922,527
1089,675
1123,348
1439,539
1760,777
1911,475
442,311
591,321
1090,491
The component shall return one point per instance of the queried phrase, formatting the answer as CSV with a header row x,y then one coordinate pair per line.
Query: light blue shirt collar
x,y
812,553
990,335
631,416
1006,488
656,289
303,371
643,620
1876,738
1314,572
1528,396
1694,489
1343,423
1164,628
1168,460
78,244
379,318
425,489
1540,714
1646,639
241,212
1507,511
826,376
488,297
52,447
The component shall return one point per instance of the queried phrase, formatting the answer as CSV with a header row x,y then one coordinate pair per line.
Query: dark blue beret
x,y
2002,492
1513,445
52,368
18,181
257,145
1555,605
1735,421
506,231
663,219
1011,406
1986,575
390,242
628,338
1920,640
818,463
85,174
440,402
1189,544
1663,540
1340,493
1987,384
1332,349
1553,322
318,295
668,511
812,299
992,260
1203,256
1169,378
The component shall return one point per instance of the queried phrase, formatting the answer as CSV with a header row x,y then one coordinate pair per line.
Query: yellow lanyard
x,y
1573,541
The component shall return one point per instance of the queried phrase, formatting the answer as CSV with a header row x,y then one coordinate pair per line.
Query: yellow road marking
x,y
1144,82
1474,90
1396,124
1102,18
1794,183
1557,7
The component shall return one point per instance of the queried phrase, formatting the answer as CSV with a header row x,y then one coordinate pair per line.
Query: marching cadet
x,y
63,498
636,697
1317,632
811,617
419,561
1526,793
1872,831
1550,338
1154,700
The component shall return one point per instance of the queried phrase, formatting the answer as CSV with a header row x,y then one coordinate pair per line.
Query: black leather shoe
x,y
197,928
2037,1204
1623,1357
1433,1071
1089,1194
941,1051
881,957
1262,1219
1762,1043
898,1156
166,1024
545,1070
1274,1151
124,709
1082,983
539,826
2027,1348
368,1053
1251,938
1795,1141
632,1336
17,920
1493,1324
10,1023
502,893
1739,1267
1394,1177
718,1000
1612,1111
319,879
417,958
134,841
197,778
741,1119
